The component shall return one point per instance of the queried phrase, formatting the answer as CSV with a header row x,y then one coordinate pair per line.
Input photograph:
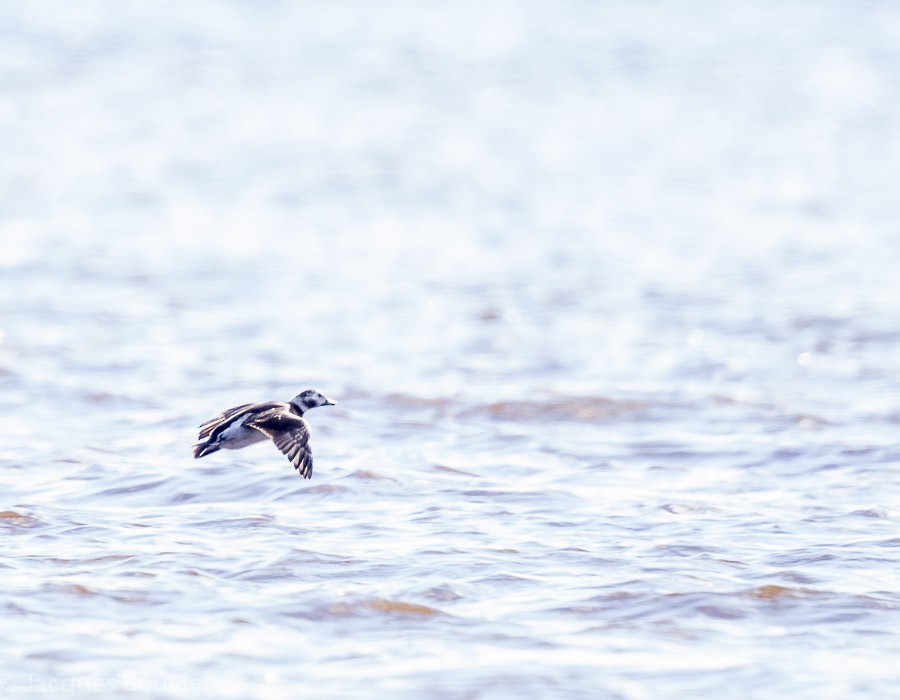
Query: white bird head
x,y
310,398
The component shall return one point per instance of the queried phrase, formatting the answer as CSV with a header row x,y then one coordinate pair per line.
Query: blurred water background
x,y
608,293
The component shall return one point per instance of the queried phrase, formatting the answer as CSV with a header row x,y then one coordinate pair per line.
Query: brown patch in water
x,y
586,408
451,470
775,592
381,605
396,606
78,589
371,476
325,488
18,519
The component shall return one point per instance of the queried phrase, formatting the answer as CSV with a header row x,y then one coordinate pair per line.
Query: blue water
x,y
607,293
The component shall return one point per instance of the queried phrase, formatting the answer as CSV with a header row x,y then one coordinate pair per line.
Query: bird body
x,y
249,423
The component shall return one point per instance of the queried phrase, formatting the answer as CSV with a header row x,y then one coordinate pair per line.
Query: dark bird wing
x,y
212,427
290,434
222,419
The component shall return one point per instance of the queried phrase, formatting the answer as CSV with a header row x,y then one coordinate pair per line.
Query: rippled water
x,y
607,292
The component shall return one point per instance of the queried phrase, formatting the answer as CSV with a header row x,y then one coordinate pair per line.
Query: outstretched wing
x,y
209,426
212,428
290,434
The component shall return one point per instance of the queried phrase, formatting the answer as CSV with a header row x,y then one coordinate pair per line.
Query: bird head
x,y
308,399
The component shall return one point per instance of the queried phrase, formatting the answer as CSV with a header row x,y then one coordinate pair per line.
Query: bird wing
x,y
214,426
290,434
207,428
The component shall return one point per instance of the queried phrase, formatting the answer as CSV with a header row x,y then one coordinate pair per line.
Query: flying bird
x,y
282,423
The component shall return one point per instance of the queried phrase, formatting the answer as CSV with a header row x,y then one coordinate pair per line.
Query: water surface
x,y
607,293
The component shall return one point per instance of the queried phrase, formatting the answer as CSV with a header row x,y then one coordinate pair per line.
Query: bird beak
x,y
329,402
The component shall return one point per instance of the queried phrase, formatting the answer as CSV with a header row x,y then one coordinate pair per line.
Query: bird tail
x,y
201,449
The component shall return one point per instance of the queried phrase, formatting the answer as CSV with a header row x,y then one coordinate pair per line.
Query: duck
x,y
250,423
